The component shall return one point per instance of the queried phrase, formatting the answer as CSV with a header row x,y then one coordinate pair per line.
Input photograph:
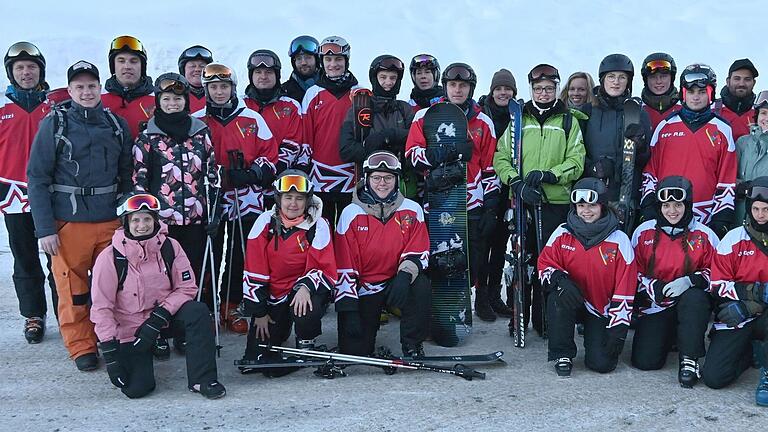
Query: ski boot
x,y
500,308
761,393
482,305
233,319
563,367
413,351
34,329
87,362
688,372
161,349
212,390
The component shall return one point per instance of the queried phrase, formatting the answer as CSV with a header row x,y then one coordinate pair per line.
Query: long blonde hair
x,y
590,86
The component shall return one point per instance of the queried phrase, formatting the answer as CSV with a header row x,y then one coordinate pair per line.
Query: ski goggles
x,y
202,53
331,48
303,44
671,194
130,42
762,100
457,73
377,159
23,47
219,71
390,63
424,61
296,182
695,80
658,65
544,72
262,60
758,193
138,202
588,196
173,86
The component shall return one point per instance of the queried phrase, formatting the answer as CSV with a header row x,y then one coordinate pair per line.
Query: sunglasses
x,y
377,159
23,47
655,65
583,196
262,60
671,194
170,85
138,202
331,48
292,181
130,42
303,44
215,70
457,73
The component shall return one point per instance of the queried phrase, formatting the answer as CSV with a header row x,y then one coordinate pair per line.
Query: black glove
x,y
487,223
568,294
117,373
438,155
615,341
150,329
742,188
720,227
699,281
374,141
535,178
603,168
242,177
397,294
634,132
733,313
212,227
648,207
530,195
658,290
353,327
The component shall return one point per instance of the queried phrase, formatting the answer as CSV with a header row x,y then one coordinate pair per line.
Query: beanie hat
x,y
503,77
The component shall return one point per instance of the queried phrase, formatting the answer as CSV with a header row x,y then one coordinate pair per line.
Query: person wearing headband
x,y
660,97
739,284
737,97
290,271
698,145
750,154
191,62
672,304
589,269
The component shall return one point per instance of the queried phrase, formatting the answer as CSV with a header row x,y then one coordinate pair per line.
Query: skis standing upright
x,y
363,117
515,257
629,150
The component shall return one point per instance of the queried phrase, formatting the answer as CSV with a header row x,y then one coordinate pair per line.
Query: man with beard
x,y
737,97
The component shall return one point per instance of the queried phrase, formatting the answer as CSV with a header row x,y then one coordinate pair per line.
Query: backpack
x,y
121,262
60,128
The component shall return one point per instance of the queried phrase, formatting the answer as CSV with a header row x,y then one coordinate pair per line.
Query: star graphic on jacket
x,y
620,315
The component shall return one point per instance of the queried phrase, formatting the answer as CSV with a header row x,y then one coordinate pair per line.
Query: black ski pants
x,y
498,247
232,280
414,319
193,319
730,352
561,340
685,322
333,204
192,239
28,276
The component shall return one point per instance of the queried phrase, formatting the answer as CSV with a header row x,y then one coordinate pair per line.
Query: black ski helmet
x,y
425,61
23,51
657,62
669,189
543,72
264,58
195,52
130,45
174,83
698,75
590,184
616,63
279,191
386,62
460,72
757,191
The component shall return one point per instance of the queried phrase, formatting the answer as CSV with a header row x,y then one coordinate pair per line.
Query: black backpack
x,y
60,128
121,262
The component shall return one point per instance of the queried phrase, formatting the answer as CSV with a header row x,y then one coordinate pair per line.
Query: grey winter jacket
x,y
752,155
98,158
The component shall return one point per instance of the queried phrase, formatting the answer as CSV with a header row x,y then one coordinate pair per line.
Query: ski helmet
x,y
23,51
617,63
544,72
264,58
698,75
293,179
214,72
384,161
195,52
425,61
134,202
590,190
334,45
460,72
674,188
174,83
658,62
303,44
127,44
386,62
757,191
761,101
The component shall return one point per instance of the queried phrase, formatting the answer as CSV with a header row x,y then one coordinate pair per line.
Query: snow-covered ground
x,y
40,388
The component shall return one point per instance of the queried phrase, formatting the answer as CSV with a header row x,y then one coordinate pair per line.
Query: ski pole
x,y
235,162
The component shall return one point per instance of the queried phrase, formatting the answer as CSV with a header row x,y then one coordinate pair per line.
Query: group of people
x,y
139,194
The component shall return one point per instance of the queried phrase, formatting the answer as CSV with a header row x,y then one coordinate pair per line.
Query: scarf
x,y
290,223
264,97
304,82
696,119
27,99
338,85
660,102
737,104
175,125
143,88
425,98
591,234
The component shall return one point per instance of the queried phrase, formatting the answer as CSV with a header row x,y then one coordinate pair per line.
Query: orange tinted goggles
x,y
215,70
130,42
296,182
658,64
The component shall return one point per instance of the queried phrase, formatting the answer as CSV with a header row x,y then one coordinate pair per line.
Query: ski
x,y
515,260
294,361
626,209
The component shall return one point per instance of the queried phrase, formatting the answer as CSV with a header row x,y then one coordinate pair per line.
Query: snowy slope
x,y
514,34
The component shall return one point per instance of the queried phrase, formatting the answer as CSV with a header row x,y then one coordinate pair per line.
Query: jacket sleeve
x,y
103,296
550,259
320,270
489,179
125,163
291,148
502,159
256,272
416,248
40,172
625,282
184,287
308,121
650,176
643,152
646,284
572,166
350,149
141,159
416,145
725,192
266,154
347,251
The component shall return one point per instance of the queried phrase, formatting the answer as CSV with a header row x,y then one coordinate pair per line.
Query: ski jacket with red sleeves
x,y
706,157
482,181
196,103
657,116
323,114
18,128
698,243
738,260
277,260
606,273
136,105
739,123
243,130
370,250
283,116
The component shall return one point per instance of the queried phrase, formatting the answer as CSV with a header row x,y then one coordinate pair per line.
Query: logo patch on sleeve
x,y
186,275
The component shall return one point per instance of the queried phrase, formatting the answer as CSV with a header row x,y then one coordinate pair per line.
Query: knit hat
x,y
503,78
743,64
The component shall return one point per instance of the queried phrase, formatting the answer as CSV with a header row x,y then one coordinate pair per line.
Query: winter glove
x,y
757,291
741,189
528,194
117,373
535,178
375,141
614,343
568,294
353,327
397,294
634,132
720,227
677,287
487,223
242,177
733,313
442,154
212,227
603,168
150,329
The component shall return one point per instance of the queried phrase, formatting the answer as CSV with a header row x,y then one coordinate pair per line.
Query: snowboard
x,y
445,125
626,208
